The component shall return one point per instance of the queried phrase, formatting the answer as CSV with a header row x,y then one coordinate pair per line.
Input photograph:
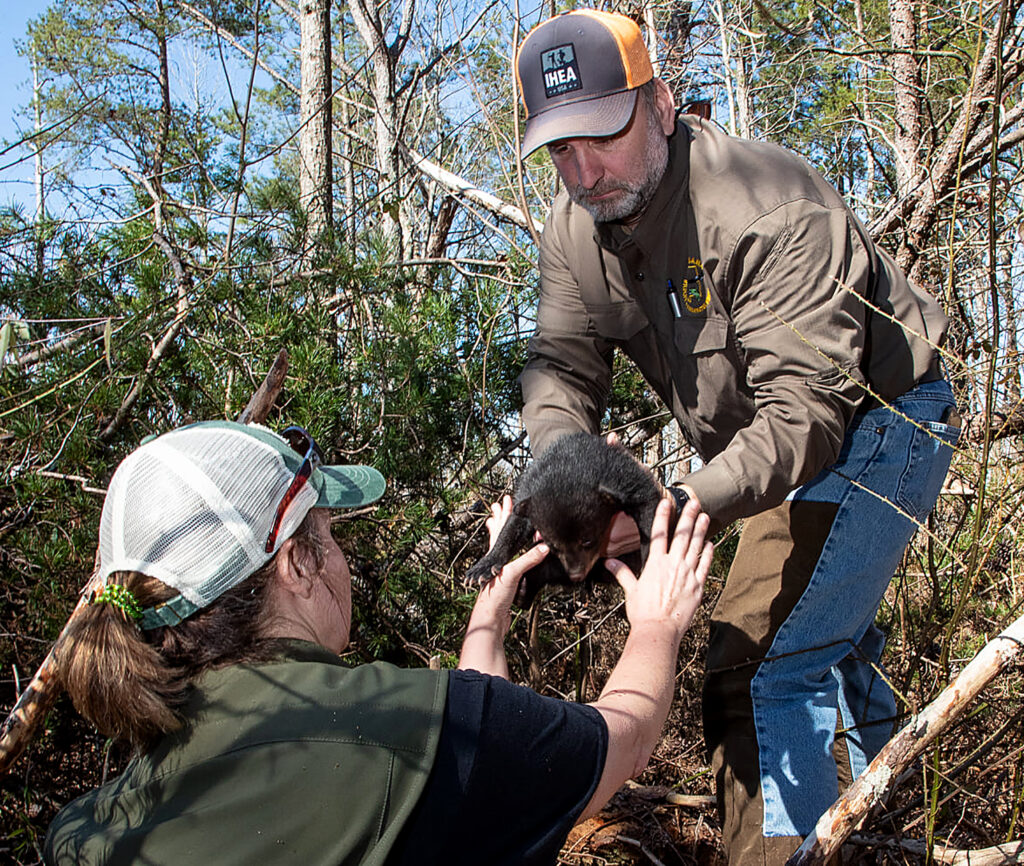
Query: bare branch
x,y
461,187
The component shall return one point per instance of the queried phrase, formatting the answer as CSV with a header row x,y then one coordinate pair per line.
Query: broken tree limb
x,y
461,187
262,401
33,703
66,344
1007,854
867,790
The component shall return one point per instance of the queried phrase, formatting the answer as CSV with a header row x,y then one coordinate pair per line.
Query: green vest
x,y
300,760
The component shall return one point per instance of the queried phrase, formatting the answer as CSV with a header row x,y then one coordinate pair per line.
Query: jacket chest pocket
x,y
617,321
696,336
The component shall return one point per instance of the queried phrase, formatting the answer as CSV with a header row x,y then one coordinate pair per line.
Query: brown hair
x,y
131,683
646,91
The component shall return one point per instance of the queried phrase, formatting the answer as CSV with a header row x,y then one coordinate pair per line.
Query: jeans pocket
x,y
931,449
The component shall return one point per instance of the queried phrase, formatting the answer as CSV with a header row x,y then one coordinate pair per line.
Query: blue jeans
x,y
826,655
794,648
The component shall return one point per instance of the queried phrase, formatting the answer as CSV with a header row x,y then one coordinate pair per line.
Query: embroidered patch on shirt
x,y
696,295
560,70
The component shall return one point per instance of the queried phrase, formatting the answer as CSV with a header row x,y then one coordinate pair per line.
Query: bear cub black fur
x,y
570,495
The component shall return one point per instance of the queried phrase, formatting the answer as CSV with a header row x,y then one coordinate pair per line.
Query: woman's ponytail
x,y
115,678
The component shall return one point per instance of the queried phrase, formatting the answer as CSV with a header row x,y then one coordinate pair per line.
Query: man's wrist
x,y
680,496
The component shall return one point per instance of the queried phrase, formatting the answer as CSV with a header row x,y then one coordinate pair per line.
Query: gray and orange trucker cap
x,y
578,73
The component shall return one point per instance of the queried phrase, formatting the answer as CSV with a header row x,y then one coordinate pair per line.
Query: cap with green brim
x,y
194,509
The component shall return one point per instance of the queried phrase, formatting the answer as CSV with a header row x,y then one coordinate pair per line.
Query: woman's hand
x,y
670,587
624,537
483,647
659,605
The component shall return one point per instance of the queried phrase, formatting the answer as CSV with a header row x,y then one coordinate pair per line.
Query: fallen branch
x,y
40,694
460,187
835,826
664,794
86,483
1007,854
66,344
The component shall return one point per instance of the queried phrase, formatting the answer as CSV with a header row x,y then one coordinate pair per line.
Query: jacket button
x,y
640,276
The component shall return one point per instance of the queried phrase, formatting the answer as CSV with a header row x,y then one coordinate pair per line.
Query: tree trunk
x,y
37,147
315,190
163,135
907,93
864,77
384,59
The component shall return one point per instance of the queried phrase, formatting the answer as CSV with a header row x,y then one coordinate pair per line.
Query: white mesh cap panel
x,y
204,502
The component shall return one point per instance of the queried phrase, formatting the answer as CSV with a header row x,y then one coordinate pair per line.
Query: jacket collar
x,y
648,232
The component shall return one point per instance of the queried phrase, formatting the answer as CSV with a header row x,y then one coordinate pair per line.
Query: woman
x,y
212,648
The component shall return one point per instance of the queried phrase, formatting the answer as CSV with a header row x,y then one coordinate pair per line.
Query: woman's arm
x,y
483,648
659,605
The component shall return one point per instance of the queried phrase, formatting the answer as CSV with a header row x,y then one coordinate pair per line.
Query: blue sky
x,y
15,182
16,177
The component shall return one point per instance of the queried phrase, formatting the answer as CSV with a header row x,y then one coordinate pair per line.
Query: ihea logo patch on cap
x,y
561,71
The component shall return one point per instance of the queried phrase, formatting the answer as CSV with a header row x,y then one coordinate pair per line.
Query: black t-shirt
x,y
513,772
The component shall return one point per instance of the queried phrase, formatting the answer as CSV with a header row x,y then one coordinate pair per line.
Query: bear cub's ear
x,y
609,494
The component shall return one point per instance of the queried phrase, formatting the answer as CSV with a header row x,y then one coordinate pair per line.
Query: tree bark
x,y
315,177
384,59
907,93
965,149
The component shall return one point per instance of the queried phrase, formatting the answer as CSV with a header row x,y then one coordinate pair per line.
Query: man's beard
x,y
635,196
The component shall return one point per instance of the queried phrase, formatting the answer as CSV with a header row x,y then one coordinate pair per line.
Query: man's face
x,y
614,178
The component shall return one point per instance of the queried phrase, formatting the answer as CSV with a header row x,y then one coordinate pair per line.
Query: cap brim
x,y
589,118
349,486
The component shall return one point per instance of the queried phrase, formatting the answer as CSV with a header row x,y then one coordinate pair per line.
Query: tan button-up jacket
x,y
763,318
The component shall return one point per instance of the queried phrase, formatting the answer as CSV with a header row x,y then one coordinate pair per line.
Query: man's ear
x,y
665,106
296,568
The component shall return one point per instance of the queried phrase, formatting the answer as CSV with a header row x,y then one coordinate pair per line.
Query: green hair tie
x,y
121,597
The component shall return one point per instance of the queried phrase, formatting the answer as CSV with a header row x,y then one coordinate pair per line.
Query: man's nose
x,y
589,169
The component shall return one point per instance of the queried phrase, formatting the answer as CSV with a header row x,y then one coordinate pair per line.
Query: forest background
x,y
216,180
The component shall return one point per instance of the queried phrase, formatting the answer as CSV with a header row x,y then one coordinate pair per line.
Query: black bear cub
x,y
570,494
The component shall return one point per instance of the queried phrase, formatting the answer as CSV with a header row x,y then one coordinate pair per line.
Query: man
x,y
800,364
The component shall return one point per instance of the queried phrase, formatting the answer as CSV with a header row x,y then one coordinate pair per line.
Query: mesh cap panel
x,y
194,507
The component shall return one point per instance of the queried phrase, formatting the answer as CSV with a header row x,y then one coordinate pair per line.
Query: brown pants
x,y
776,556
